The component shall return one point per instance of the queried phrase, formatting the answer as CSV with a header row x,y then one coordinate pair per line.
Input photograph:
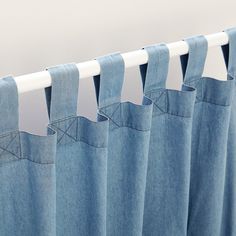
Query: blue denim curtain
x,y
209,142
168,173
81,158
129,133
166,167
27,173
229,206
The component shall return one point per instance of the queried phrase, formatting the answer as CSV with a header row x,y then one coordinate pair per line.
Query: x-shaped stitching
x,y
6,150
65,131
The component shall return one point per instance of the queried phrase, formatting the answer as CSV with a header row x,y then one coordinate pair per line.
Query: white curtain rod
x,y
42,79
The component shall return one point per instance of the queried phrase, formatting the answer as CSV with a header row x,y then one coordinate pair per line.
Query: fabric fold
x,y
168,174
81,158
27,173
128,144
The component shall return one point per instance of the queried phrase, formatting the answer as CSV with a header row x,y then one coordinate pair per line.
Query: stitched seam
x,y
64,132
18,157
83,141
6,150
63,119
9,143
71,137
170,113
121,126
8,133
20,146
77,128
154,92
159,107
118,107
40,163
28,159
110,119
111,116
22,158
166,102
125,126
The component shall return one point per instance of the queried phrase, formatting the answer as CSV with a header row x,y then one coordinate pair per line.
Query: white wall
x,y
38,34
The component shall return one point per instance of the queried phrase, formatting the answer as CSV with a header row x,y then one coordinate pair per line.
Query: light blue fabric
x,y
166,167
27,173
129,133
228,226
168,176
81,158
209,142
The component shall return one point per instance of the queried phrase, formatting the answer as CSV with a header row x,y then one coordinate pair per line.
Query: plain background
x,y
39,34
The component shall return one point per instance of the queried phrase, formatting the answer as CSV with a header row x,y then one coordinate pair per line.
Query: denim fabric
x,y
27,173
209,142
228,227
166,167
129,133
168,175
81,158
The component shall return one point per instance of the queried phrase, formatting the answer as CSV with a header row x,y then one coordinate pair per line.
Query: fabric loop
x,y
193,62
9,113
154,73
108,84
229,52
62,96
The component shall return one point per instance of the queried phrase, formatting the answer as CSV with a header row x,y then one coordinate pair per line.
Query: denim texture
x,y
81,158
168,175
209,142
27,173
128,144
228,224
166,167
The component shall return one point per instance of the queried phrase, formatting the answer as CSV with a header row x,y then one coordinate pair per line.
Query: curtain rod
x,y
40,80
